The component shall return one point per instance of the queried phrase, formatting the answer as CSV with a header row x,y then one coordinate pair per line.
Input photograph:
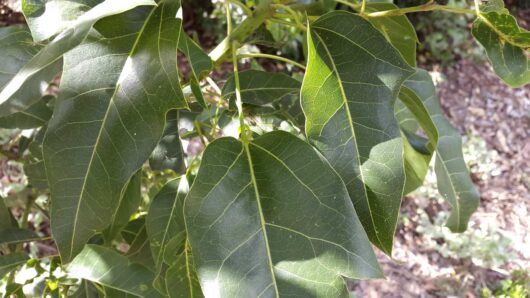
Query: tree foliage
x,y
302,170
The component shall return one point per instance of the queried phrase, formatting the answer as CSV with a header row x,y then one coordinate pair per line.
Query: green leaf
x,y
352,81
419,109
5,215
505,25
14,290
9,262
17,235
46,18
398,30
197,92
260,88
34,163
416,165
181,278
86,290
109,268
34,116
106,125
168,154
135,234
164,220
129,203
412,115
17,51
272,218
454,182
200,62
51,54
165,225
505,43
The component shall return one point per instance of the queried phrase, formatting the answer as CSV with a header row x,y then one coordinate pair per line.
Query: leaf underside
x,y
454,182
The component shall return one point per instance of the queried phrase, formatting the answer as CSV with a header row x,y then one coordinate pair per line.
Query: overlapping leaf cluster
x,y
269,214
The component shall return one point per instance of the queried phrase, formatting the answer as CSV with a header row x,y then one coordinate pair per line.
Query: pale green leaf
x,y
505,25
397,29
413,115
107,267
51,54
10,262
19,50
350,87
416,165
454,181
34,116
46,18
273,219
260,88
128,86
505,43
169,154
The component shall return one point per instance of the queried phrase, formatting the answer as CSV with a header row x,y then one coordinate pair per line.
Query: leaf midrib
x,y
102,128
261,216
350,122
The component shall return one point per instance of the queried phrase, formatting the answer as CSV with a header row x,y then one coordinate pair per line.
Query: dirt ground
x,y
479,104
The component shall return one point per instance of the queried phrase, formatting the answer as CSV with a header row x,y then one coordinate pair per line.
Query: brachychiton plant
x,y
302,170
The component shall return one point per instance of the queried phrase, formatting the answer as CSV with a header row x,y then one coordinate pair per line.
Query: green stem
x,y
274,57
239,101
426,7
477,7
363,7
291,12
245,8
262,12
288,23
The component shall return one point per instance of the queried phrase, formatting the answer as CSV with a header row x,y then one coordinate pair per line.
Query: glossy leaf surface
x,y
273,219
350,115
128,87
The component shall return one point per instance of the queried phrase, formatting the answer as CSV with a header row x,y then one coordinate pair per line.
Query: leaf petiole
x,y
274,57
